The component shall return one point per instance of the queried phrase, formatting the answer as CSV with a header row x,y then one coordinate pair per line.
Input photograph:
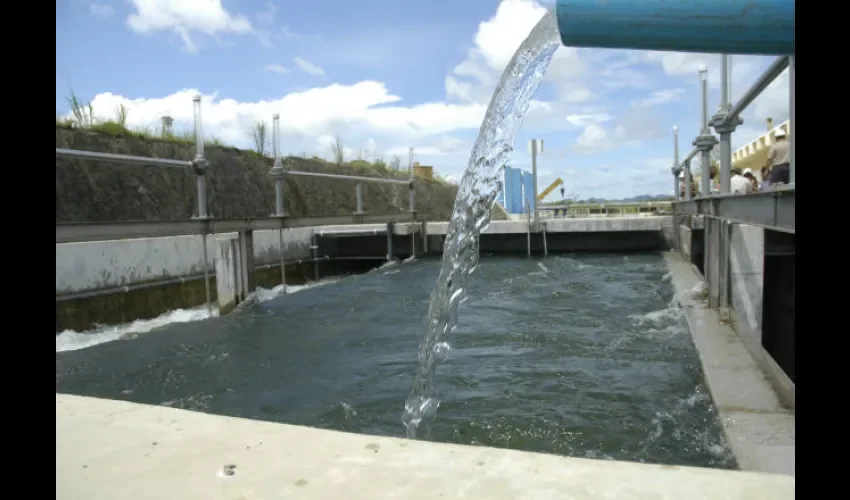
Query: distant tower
x,y
167,122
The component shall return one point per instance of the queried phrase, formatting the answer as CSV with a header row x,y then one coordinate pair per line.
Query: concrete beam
x,y
113,449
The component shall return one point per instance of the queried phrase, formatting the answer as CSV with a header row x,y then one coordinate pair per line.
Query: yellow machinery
x,y
549,189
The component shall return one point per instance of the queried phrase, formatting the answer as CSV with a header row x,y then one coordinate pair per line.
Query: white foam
x,y
265,294
70,340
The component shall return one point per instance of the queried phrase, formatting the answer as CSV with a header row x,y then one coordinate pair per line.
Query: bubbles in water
x,y
476,193
442,350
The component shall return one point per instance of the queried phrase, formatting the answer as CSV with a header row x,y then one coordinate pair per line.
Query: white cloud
x,y
276,68
101,9
308,67
660,97
183,17
310,113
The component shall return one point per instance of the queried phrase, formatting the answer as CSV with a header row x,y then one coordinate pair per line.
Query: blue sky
x,y
386,75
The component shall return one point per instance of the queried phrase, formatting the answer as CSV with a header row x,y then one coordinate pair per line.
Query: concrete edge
x,y
759,431
109,449
781,383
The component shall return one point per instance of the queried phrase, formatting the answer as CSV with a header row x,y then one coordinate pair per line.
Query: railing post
x,y
724,126
791,71
278,174
412,189
676,167
705,142
389,241
200,165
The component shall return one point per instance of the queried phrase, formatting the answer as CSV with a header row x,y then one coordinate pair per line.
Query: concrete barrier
x,y
112,449
227,279
759,430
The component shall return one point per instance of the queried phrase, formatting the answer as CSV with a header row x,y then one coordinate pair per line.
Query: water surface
x,y
578,356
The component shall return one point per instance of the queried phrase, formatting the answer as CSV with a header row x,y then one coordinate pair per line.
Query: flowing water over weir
x,y
471,214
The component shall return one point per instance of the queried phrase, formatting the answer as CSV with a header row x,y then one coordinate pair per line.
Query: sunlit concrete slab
x,y
118,450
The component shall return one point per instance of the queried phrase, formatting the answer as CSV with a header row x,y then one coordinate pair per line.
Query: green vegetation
x,y
83,118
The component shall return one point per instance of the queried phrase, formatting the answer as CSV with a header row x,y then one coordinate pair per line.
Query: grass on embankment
x,y
83,118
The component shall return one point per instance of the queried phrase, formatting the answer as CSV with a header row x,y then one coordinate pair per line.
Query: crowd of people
x,y
776,171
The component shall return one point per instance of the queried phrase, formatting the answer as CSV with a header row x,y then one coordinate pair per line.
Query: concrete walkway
x,y
760,432
117,450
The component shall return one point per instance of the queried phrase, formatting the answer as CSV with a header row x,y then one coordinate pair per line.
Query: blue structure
x,y
764,27
517,186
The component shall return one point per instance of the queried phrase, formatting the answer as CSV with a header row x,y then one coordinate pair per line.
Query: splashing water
x,y
471,213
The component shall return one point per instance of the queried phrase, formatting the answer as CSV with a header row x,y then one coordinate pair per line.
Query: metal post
x,y
534,177
545,246
725,137
359,194
688,181
277,173
315,251
676,168
705,142
412,191
199,165
389,241
791,64
528,232
282,261
724,82
723,126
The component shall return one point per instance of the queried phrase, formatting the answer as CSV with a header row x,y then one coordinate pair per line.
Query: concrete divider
x,y
113,449
227,278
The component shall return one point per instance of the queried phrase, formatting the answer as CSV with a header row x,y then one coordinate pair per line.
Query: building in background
x,y
517,186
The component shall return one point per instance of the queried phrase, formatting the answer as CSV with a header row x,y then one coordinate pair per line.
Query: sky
x,y
384,76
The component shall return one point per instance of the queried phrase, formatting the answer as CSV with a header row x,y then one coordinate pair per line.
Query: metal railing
x,y
204,225
770,208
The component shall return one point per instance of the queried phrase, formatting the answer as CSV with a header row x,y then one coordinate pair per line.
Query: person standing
x,y
739,184
779,159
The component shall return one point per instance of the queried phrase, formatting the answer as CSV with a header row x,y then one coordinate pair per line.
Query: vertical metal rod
x,y
315,252
725,135
703,81
545,246
528,233
207,290
724,82
688,181
412,204
534,177
282,260
389,241
791,71
277,168
359,194
675,162
201,183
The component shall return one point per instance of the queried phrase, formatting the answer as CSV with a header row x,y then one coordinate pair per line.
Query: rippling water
x,y
578,355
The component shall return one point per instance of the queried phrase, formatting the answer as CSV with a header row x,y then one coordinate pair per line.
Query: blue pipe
x,y
764,27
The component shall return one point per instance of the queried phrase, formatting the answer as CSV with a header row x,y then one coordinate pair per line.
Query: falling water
x,y
471,214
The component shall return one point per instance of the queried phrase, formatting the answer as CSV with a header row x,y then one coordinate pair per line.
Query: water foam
x,y
70,340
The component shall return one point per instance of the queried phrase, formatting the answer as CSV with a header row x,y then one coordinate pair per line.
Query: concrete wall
x,y
746,275
110,264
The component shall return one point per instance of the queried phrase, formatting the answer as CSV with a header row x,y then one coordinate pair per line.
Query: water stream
x,y
471,213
